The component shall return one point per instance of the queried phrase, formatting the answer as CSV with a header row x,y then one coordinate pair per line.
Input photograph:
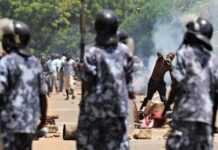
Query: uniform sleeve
x,y
214,73
179,72
3,76
90,66
129,73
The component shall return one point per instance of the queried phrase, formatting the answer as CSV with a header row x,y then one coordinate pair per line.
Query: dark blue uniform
x,y
195,74
20,87
104,109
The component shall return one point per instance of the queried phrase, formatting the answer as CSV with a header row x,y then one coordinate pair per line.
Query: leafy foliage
x,y
55,23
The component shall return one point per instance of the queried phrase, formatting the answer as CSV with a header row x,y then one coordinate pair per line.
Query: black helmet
x,y
106,25
199,31
15,35
106,22
122,36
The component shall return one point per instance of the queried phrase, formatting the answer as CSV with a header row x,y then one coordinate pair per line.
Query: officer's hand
x,y
79,66
131,95
42,123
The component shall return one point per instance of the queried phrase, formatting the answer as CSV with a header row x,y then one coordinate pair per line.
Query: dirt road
x,y
68,112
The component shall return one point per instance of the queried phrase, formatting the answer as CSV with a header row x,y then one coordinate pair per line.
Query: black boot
x,y
67,93
144,103
72,92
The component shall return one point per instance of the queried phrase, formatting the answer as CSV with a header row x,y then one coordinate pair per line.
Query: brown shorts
x,y
68,82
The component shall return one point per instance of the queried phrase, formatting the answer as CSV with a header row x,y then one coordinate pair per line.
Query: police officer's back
x,y
23,100
107,77
195,75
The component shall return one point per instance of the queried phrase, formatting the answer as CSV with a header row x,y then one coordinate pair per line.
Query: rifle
x,y
82,37
215,107
82,30
69,131
214,94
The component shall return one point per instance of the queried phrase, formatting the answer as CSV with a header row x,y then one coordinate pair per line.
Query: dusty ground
x,y
68,112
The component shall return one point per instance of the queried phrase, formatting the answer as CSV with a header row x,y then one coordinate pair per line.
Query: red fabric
x,y
153,120
156,115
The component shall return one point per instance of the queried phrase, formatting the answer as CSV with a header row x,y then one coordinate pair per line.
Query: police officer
x,y
107,77
123,37
195,76
23,101
127,40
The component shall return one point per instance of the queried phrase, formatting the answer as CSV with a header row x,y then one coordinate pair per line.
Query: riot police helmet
x,y
15,35
106,23
201,32
123,36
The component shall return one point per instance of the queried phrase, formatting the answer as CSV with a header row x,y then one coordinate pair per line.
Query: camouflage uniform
x,y
192,118
190,136
104,109
20,87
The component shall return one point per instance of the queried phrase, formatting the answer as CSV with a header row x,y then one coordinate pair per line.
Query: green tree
x,y
47,19
55,23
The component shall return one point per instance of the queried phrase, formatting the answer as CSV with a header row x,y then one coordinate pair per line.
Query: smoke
x,y
212,14
139,76
168,31
167,36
